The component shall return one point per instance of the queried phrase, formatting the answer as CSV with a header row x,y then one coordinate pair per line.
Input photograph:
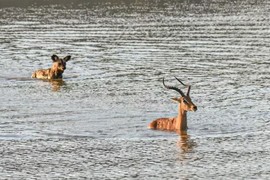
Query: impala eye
x,y
185,101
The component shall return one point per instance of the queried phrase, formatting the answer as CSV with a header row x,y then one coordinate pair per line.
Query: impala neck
x,y
181,119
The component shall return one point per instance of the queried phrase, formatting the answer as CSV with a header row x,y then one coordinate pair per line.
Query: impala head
x,y
59,64
185,101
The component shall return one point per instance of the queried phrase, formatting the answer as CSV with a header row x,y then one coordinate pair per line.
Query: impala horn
x,y
184,85
174,88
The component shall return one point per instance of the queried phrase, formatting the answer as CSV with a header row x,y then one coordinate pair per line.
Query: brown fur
x,y
55,72
178,123
163,124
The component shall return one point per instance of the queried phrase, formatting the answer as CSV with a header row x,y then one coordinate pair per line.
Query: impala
x,y
178,123
55,72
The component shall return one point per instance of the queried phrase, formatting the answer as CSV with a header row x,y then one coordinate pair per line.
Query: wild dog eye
x,y
59,64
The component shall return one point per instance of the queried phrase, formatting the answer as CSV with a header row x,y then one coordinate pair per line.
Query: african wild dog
x,y
55,72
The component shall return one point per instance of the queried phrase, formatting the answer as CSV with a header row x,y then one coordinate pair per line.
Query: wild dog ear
x,y
55,58
176,100
67,58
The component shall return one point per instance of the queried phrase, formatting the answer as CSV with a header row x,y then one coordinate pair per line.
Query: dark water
x,y
93,124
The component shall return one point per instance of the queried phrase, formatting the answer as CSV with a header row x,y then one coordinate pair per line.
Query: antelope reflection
x,y
185,143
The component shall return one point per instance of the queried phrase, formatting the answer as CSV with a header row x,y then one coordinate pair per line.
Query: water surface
x,y
94,123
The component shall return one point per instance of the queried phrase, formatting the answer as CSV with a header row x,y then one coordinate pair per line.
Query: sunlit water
x,y
93,124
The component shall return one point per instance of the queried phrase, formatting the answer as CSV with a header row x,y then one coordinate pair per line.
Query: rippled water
x,y
93,124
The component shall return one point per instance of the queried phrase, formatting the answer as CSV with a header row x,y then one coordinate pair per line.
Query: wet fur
x,y
163,124
178,123
55,72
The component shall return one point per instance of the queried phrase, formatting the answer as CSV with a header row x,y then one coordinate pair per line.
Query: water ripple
x,y
95,120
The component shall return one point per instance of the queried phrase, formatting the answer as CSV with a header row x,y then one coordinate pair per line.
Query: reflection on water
x,y
96,126
56,84
185,143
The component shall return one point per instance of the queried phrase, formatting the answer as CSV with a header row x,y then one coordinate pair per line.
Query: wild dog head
x,y
59,64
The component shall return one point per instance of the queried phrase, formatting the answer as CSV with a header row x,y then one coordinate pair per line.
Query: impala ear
x,y
176,100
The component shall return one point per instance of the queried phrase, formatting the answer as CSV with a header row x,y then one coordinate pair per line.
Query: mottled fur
x,y
55,72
